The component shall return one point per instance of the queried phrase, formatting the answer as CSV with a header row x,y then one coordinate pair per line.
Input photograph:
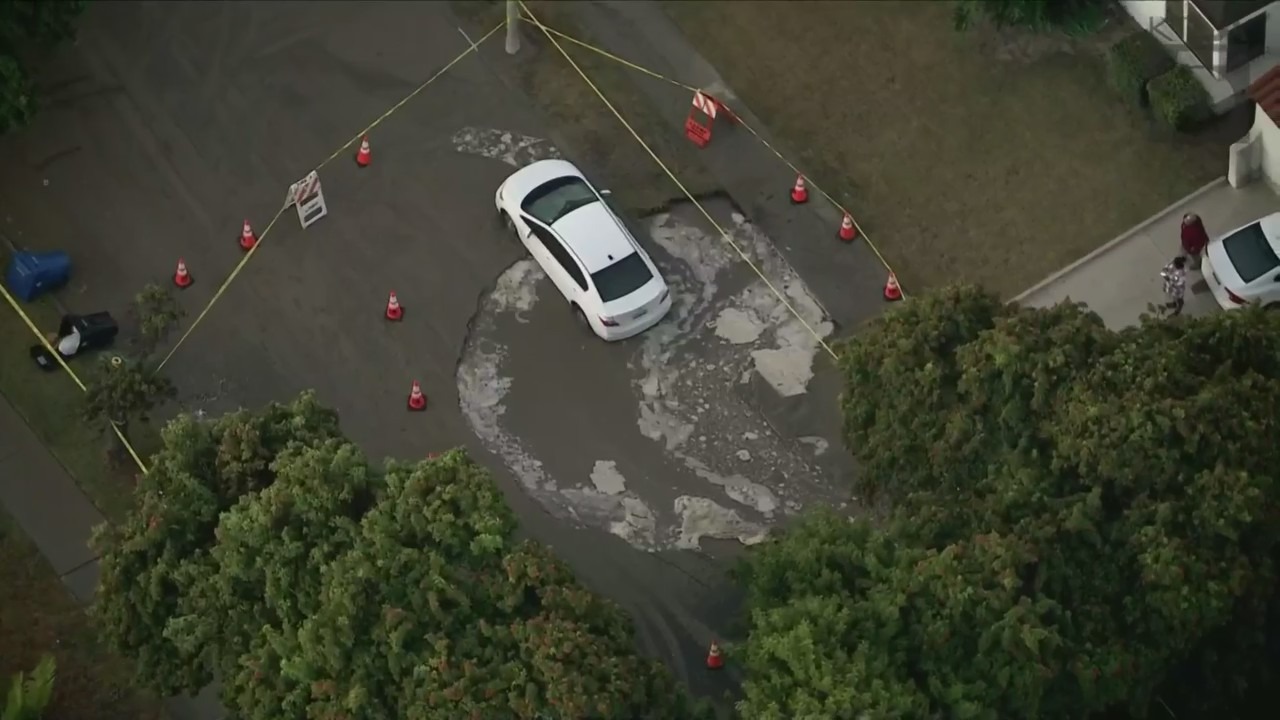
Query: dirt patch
x,y
988,156
39,616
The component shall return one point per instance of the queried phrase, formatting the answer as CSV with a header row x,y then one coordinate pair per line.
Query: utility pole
x,y
513,27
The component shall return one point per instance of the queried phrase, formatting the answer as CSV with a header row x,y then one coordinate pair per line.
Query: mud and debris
x,y
512,148
732,473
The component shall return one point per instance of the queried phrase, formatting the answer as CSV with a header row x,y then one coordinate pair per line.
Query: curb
x,y
1126,235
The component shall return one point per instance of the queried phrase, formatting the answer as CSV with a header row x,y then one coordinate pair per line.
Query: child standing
x,y
1175,284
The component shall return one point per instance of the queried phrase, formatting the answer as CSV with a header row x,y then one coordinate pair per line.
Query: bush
x,y
1178,99
30,694
1073,16
1133,62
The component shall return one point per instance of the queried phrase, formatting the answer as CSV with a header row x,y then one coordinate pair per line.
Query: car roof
x,y
595,236
534,175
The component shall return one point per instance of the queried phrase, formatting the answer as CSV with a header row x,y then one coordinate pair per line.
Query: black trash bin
x,y
97,330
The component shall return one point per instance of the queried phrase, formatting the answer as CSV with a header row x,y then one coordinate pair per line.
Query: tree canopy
x,y
25,24
1083,521
266,550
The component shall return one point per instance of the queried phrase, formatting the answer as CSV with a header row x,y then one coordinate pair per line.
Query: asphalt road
x,y
170,123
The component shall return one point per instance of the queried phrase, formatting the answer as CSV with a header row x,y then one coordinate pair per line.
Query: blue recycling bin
x,y
30,273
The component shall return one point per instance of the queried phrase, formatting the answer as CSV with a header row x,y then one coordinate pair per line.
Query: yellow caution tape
x,y
528,17
243,261
723,233
473,47
13,303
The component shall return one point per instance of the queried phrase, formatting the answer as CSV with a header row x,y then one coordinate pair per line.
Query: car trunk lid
x,y
636,305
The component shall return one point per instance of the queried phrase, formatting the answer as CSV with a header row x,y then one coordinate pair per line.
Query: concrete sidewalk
x,y
1121,278
47,504
55,513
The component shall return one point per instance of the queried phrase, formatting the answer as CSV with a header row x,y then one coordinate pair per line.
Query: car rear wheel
x,y
581,317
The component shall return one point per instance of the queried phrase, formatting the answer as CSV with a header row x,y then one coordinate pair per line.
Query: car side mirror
x,y
606,193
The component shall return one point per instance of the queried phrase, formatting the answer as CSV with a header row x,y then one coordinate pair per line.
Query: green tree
x,y
124,391
157,312
120,394
25,24
1083,519
317,585
156,564
29,695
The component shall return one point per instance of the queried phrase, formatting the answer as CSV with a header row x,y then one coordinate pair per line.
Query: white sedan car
x,y
584,248
1243,267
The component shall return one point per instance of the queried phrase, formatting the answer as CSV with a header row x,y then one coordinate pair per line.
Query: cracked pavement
x,y
654,439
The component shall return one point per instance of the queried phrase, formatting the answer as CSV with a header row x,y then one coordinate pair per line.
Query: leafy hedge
x,y
1133,62
25,24
1178,99
1072,16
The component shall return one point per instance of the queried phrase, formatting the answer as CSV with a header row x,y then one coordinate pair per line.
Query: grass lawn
x,y
595,138
39,616
51,404
989,156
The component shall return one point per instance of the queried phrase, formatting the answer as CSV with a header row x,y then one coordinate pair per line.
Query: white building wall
x,y
1224,92
1269,135
1273,28
1148,13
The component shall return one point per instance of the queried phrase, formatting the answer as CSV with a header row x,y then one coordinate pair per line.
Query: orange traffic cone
x,y
847,229
181,277
799,194
394,311
364,155
891,290
417,401
247,238
714,661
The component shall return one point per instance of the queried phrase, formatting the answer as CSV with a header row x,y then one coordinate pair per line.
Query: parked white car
x,y
584,248
1243,266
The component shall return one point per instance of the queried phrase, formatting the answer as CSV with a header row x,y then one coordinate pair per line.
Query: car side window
x,y
535,229
562,256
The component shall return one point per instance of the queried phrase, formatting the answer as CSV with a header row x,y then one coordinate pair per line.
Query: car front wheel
x,y
511,228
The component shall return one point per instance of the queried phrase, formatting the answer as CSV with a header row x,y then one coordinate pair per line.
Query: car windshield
x,y
1250,252
553,200
621,278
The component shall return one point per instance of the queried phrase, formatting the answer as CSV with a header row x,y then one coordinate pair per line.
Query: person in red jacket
x,y
1194,239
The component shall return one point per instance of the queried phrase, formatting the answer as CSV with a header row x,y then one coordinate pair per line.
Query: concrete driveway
x,y
1120,279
